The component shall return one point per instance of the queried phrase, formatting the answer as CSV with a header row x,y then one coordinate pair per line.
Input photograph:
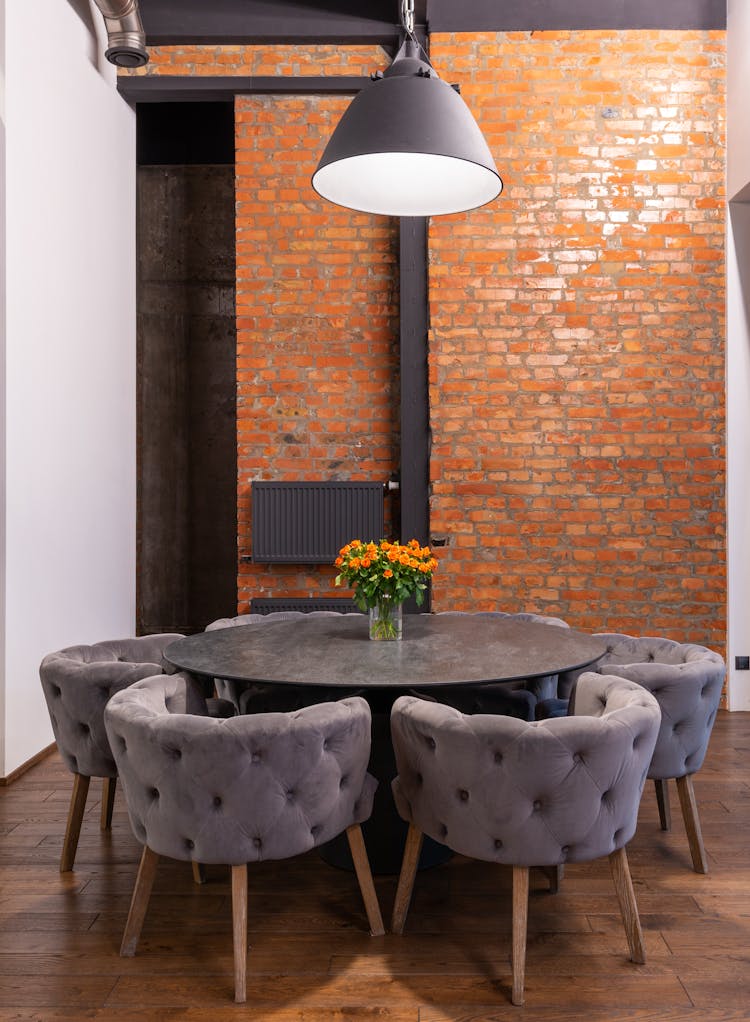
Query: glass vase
x,y
386,620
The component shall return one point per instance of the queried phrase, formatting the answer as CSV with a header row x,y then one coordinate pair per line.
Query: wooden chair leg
x,y
364,877
520,925
692,823
109,786
144,881
618,862
75,818
199,873
412,850
239,931
662,800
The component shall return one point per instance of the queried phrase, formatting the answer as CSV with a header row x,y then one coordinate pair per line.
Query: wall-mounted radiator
x,y
274,604
308,523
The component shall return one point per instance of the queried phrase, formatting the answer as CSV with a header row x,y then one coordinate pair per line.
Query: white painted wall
x,y
738,348
69,433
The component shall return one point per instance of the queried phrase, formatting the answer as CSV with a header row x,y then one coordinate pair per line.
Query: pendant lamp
x,y
407,145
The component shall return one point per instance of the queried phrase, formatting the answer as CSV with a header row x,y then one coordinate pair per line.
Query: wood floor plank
x,y
311,958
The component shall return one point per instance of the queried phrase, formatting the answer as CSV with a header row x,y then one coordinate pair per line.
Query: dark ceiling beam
x,y
212,22
554,15
216,89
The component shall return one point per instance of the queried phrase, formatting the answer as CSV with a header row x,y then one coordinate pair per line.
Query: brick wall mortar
x,y
577,345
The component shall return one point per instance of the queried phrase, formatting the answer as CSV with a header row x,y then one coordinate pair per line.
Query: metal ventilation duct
x,y
127,40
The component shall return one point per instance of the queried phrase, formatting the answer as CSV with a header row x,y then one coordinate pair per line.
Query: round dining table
x,y
436,649
334,651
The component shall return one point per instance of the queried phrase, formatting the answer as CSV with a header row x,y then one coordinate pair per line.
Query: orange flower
x,y
393,556
366,562
354,562
339,561
404,559
387,573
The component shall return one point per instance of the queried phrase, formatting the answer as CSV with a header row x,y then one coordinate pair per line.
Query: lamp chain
x,y
407,16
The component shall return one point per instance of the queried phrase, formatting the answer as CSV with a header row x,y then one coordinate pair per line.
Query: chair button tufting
x,y
255,758
498,843
537,805
154,793
498,757
189,844
217,801
257,842
431,743
290,796
463,794
565,849
578,758
85,729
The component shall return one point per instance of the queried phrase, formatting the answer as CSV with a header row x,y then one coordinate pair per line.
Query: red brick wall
x,y
317,345
577,351
577,343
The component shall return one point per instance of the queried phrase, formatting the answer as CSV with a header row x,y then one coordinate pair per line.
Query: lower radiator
x,y
271,604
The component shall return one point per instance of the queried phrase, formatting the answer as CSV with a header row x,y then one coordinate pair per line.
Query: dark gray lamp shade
x,y
407,145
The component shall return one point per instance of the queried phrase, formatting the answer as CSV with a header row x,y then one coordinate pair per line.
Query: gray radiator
x,y
308,523
271,604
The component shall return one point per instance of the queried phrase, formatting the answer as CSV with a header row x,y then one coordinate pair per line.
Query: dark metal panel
x,y
531,15
309,522
376,21
257,21
415,411
220,88
307,604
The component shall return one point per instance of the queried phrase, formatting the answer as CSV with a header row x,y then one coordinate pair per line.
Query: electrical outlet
x,y
742,663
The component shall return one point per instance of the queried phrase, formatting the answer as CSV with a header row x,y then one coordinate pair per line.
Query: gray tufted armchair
x,y
238,790
687,682
249,697
77,683
527,793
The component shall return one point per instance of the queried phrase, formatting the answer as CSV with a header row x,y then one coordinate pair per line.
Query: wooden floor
x,y
311,959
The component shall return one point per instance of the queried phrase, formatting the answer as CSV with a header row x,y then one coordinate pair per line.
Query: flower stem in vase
x,y
386,620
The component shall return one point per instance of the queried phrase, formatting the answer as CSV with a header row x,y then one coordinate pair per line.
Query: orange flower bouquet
x,y
382,576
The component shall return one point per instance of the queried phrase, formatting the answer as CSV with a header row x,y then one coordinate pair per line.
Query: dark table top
x,y
436,649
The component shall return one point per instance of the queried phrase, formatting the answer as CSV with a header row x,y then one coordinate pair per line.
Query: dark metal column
x,y
415,409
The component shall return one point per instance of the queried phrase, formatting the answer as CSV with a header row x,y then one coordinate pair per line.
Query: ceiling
x,y
368,21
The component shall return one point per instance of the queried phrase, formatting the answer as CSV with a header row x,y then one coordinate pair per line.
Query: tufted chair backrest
x,y
527,794
686,681
266,786
78,682
541,619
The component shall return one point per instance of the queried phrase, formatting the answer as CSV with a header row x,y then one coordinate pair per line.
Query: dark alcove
x,y
187,444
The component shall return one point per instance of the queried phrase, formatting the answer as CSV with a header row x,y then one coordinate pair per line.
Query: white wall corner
x,y
69,547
